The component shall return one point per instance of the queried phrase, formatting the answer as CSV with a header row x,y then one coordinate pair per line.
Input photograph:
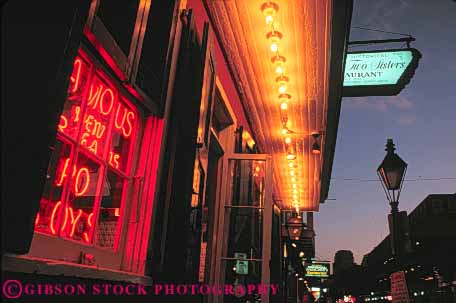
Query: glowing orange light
x,y
290,164
288,141
283,106
37,220
283,83
63,123
274,37
279,64
117,212
85,186
75,80
269,10
86,237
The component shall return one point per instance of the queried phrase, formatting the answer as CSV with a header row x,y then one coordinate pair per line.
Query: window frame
x,y
70,250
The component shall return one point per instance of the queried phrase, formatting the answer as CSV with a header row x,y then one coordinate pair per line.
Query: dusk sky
x,y
421,120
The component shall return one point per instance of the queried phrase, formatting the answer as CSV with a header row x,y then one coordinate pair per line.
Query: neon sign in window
x,y
90,165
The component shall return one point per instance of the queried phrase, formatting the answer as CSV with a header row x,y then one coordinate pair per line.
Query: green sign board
x,y
379,73
242,265
319,270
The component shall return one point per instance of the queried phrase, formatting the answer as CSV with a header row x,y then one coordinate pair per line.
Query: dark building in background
x,y
343,259
430,266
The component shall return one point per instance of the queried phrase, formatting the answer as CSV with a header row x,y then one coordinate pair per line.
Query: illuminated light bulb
x,y
294,186
257,169
292,173
295,201
279,70
295,191
290,164
284,97
282,81
284,131
295,196
279,64
284,106
293,179
291,156
269,10
288,141
274,47
274,38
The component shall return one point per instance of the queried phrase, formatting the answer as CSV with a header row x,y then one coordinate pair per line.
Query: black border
x,y
384,90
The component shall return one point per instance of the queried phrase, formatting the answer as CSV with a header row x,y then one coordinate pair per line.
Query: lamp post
x,y
391,173
293,229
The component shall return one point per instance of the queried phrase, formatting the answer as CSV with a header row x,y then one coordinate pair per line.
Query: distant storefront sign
x,y
242,265
319,270
399,291
379,73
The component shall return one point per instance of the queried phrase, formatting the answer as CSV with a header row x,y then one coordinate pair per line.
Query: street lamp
x,y
391,173
295,227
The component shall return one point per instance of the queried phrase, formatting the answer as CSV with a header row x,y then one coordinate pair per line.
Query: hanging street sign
x,y
380,72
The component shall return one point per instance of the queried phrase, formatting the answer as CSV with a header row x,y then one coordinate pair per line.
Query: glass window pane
x,y
79,209
100,104
109,215
72,111
245,232
56,180
123,132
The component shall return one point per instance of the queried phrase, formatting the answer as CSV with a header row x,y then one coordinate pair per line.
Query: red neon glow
x,y
73,220
63,123
104,54
111,101
51,225
114,159
77,110
65,220
63,174
97,109
75,80
94,96
85,186
129,123
89,219
127,116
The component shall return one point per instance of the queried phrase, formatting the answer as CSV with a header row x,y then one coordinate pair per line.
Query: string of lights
x,y
279,61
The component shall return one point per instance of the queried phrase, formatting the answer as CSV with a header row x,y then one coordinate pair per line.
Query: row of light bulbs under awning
x,y
282,79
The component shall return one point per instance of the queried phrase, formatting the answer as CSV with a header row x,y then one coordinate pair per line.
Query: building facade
x,y
140,142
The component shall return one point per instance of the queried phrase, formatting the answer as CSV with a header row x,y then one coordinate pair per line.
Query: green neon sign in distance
x,y
376,68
